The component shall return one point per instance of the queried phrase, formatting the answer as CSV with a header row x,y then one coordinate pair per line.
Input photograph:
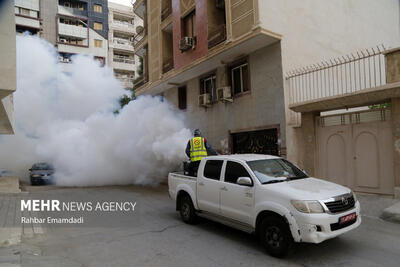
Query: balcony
x,y
216,36
124,64
123,44
140,37
123,26
27,22
126,82
73,12
72,30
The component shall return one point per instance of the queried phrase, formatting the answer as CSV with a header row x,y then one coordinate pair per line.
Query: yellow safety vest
x,y
198,149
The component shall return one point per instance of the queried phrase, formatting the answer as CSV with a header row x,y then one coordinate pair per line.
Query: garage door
x,y
355,150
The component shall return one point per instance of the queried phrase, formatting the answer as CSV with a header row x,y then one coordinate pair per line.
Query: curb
x,y
392,213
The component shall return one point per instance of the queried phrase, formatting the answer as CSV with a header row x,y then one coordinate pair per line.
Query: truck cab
x,y
268,196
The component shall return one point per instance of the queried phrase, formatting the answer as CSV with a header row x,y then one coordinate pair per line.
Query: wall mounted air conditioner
x,y
205,100
187,43
224,94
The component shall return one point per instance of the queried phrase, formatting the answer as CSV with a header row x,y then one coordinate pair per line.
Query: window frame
x,y
98,6
239,64
244,167
202,85
96,42
220,172
97,23
191,16
182,106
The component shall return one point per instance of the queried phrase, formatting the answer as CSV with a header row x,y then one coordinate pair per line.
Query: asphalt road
x,y
156,236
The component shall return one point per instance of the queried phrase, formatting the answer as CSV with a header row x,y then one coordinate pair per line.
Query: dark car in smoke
x,y
42,173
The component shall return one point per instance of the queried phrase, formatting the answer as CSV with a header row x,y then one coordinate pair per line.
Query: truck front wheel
x,y
187,211
275,236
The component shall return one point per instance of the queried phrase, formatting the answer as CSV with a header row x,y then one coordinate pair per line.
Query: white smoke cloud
x,y
67,119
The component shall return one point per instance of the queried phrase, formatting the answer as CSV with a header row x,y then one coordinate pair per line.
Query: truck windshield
x,y
275,170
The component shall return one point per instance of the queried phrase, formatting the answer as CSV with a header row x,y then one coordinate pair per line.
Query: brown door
x,y
357,154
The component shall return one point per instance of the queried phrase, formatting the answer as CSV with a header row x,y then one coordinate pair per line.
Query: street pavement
x,y
156,236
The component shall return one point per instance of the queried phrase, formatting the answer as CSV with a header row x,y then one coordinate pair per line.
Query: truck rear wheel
x,y
187,211
275,236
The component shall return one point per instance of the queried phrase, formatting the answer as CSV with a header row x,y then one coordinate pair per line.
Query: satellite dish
x,y
139,29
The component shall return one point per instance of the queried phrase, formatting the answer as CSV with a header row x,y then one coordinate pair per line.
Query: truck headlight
x,y
308,206
354,196
36,175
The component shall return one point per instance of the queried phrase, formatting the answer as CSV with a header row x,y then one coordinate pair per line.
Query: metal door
x,y
355,150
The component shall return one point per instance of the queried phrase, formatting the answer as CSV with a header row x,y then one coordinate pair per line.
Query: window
x,y
240,78
67,4
98,26
208,85
233,171
189,25
182,98
98,43
80,42
24,11
98,8
212,170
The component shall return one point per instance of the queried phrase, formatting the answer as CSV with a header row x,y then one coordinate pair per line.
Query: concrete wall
x,y
7,66
48,12
314,30
262,107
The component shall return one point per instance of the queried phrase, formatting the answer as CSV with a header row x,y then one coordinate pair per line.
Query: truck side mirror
x,y
244,181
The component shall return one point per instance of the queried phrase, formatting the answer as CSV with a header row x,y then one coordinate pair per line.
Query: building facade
x,y
122,31
7,67
225,63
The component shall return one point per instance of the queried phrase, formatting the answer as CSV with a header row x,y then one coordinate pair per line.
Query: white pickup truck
x,y
268,196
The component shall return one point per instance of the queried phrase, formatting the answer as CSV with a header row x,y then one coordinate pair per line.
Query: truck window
x,y
212,170
233,171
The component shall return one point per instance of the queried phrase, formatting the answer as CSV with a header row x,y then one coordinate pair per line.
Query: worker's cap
x,y
196,132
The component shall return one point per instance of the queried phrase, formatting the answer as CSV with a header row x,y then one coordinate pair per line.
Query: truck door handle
x,y
201,183
224,188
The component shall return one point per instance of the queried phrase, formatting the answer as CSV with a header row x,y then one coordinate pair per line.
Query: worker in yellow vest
x,y
196,149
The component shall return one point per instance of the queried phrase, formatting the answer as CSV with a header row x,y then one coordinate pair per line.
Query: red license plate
x,y
347,218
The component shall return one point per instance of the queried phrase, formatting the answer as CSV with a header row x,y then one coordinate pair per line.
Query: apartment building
x,y
74,27
225,63
122,30
27,16
7,67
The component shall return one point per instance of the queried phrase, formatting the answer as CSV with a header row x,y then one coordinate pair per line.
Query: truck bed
x,y
178,181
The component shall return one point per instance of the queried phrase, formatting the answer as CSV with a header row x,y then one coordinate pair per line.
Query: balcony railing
x,y
347,74
139,36
168,65
124,24
216,36
124,60
63,10
123,42
166,12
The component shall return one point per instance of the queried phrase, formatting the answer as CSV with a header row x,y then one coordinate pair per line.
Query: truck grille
x,y
342,203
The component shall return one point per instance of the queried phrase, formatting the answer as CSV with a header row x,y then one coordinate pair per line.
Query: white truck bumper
x,y
315,228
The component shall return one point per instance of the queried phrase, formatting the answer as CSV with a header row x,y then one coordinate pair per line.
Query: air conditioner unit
x,y
204,100
187,43
224,94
